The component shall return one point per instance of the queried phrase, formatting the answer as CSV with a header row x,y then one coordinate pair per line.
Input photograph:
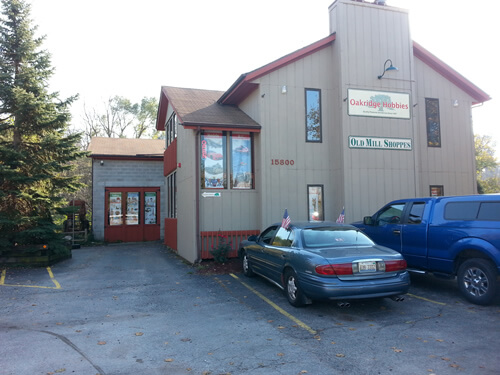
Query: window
x,y
313,115
416,213
115,209
268,234
150,207
241,161
436,190
213,160
433,122
171,129
391,214
132,209
489,211
472,211
284,237
172,195
330,237
216,159
315,202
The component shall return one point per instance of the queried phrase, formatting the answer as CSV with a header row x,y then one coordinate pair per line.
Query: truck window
x,y
391,214
461,210
416,213
489,211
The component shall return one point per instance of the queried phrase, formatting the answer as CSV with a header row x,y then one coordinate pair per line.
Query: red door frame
x,y
137,232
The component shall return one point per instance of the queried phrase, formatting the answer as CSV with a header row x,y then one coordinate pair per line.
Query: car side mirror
x,y
252,238
368,220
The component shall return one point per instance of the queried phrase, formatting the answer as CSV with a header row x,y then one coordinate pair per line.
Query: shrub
x,y
221,251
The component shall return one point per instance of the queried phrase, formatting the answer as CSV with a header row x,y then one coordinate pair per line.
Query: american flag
x,y
341,216
286,220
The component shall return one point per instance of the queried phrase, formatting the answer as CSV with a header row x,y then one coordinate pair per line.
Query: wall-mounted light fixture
x,y
283,89
387,68
102,163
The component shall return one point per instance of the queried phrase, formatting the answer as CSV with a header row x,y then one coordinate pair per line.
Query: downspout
x,y
198,192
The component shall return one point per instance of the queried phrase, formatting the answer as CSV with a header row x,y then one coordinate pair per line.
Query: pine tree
x,y
35,149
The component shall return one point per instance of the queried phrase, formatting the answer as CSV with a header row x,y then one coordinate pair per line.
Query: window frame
x,y
172,195
227,160
432,118
310,211
439,188
306,106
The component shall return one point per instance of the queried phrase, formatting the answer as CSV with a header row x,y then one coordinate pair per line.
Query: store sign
x,y
378,104
381,143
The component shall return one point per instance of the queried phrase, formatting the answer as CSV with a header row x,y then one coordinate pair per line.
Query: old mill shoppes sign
x,y
369,103
379,104
380,143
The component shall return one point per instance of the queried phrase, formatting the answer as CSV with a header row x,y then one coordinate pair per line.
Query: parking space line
x,y
426,299
51,275
279,309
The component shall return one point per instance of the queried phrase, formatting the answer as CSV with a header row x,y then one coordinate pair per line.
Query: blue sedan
x,y
324,260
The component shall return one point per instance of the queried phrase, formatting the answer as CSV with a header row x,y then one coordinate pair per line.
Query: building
x,y
128,188
354,120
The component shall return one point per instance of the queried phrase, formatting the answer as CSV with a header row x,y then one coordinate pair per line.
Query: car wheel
x,y
247,269
292,289
477,280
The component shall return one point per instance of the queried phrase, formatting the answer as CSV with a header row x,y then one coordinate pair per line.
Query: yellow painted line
x,y
426,299
58,286
265,299
51,275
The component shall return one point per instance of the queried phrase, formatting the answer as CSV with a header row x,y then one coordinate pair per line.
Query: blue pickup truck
x,y
447,236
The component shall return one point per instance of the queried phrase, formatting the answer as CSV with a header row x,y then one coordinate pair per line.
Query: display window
x,y
241,161
150,208
115,209
132,217
315,202
213,160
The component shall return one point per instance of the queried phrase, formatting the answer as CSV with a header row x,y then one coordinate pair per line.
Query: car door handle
x,y
396,231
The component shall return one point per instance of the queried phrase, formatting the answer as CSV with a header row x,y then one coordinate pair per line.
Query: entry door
x,y
133,214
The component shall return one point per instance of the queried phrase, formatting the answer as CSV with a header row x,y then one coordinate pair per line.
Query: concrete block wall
x,y
124,173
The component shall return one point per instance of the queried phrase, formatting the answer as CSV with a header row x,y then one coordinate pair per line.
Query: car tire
x,y
247,268
293,290
477,280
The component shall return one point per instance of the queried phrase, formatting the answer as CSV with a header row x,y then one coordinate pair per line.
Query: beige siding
x,y
186,193
283,138
451,165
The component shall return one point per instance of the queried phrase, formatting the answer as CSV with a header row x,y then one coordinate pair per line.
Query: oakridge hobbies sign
x,y
380,143
378,104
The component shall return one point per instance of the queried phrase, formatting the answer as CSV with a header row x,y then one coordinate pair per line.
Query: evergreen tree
x,y
34,148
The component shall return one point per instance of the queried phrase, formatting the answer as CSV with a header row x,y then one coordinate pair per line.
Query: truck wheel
x,y
477,280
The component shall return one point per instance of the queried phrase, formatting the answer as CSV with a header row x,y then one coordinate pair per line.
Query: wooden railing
x,y
210,240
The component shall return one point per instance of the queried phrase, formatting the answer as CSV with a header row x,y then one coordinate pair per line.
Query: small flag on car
x,y
286,220
341,216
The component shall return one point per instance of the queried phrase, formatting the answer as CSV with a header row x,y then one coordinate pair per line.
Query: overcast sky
x,y
102,48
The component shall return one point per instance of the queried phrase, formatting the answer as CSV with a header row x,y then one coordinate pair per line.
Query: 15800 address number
x,y
282,162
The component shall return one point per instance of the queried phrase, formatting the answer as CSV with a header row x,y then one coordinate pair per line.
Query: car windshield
x,y
334,236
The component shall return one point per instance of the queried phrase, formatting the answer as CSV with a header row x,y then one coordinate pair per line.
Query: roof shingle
x,y
134,147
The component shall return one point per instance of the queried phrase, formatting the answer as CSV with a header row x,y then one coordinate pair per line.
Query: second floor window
x,y
313,115
433,122
171,129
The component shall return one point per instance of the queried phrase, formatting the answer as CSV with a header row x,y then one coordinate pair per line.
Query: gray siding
x,y
118,173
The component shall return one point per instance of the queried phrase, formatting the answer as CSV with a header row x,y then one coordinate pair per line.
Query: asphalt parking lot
x,y
138,309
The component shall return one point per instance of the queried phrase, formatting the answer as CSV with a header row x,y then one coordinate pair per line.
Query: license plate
x,y
367,266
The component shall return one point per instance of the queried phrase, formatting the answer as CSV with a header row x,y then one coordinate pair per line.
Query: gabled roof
x,y
244,86
450,74
135,148
199,109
